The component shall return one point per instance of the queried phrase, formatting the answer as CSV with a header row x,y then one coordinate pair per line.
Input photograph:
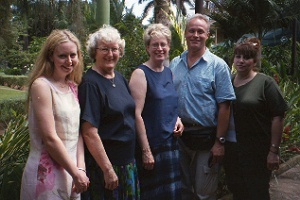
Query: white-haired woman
x,y
108,121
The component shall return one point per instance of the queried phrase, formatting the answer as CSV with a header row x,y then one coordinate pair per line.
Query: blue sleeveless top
x,y
161,106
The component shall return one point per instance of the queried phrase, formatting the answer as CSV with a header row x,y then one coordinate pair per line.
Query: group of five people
x,y
160,136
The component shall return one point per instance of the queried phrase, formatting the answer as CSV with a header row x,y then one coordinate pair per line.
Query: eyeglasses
x,y
105,50
157,45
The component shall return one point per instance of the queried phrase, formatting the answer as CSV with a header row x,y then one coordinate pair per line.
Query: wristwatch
x,y
222,140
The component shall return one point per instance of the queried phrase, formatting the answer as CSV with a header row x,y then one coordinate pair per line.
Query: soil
x,y
285,182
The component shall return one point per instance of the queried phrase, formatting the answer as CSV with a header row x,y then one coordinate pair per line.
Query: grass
x,y
7,93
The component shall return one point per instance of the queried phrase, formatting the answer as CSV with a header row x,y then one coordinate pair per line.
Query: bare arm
x,y
222,126
138,88
95,146
276,134
42,108
80,153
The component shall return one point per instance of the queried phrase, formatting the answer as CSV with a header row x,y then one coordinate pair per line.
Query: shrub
x,y
10,108
12,80
14,150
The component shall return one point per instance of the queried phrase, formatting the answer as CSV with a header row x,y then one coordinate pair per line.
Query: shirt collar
x,y
205,56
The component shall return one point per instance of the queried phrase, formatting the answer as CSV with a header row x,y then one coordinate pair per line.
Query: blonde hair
x,y
156,30
44,66
105,34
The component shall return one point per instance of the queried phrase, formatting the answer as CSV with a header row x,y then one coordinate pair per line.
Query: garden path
x,y
285,184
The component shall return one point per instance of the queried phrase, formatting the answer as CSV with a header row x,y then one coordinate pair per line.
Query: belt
x,y
191,126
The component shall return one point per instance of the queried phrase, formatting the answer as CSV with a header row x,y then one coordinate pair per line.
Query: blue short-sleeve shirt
x,y
201,87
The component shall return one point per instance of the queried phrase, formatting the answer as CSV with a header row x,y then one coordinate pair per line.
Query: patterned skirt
x,y
128,188
163,182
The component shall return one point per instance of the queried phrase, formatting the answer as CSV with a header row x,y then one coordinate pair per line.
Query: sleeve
x,y
275,100
90,100
223,85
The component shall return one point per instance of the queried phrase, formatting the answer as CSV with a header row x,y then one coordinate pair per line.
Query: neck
x,y
194,55
245,76
155,66
242,79
105,73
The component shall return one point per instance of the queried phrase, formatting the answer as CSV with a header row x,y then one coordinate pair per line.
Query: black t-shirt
x,y
112,111
257,102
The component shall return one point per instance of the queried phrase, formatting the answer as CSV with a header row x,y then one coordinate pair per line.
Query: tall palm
x,y
162,7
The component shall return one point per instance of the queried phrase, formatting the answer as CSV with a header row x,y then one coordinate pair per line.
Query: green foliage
x,y
291,132
10,80
131,29
277,60
224,50
14,149
11,106
178,44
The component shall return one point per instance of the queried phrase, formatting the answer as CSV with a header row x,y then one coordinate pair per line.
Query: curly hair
x,y
105,34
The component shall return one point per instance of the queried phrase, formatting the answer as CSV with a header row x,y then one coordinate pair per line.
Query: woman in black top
x,y
108,121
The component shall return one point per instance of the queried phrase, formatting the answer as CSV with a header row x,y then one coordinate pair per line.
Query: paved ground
x,y
285,184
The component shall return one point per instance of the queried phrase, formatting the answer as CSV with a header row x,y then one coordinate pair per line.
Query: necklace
x,y
112,82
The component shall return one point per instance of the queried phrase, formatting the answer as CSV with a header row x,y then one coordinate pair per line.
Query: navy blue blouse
x,y
112,111
160,110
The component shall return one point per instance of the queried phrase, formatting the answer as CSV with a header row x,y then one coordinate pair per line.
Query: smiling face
x,y
243,64
107,55
65,58
158,49
196,34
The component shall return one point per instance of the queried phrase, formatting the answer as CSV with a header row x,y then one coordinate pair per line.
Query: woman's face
x,y
243,64
65,57
158,49
107,55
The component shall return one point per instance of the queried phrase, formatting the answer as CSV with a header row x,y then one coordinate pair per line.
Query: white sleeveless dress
x,y
43,178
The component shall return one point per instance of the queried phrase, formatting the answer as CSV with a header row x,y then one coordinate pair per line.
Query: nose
x,y
110,51
195,34
159,47
69,60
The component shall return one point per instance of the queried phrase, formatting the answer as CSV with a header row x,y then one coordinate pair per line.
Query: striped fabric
x,y
163,182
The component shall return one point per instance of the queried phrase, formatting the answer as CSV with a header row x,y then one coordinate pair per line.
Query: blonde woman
x,y
157,122
55,168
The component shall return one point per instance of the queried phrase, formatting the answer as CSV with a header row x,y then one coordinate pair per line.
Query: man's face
x,y
196,34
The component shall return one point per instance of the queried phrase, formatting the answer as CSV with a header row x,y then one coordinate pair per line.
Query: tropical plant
x,y
237,17
14,149
290,140
131,29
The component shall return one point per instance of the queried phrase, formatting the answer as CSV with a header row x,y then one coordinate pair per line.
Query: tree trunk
x,y
103,12
161,11
199,6
294,49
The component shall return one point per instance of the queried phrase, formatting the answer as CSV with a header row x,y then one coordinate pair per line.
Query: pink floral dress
x,y
43,178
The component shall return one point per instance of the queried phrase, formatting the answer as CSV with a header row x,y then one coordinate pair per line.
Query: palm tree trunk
x,y
199,6
161,11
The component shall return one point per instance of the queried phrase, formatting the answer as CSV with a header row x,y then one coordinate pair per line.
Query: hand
x,y
148,160
217,152
178,128
111,179
273,161
80,182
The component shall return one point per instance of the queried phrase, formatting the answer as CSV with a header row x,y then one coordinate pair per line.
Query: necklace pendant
x,y
114,85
